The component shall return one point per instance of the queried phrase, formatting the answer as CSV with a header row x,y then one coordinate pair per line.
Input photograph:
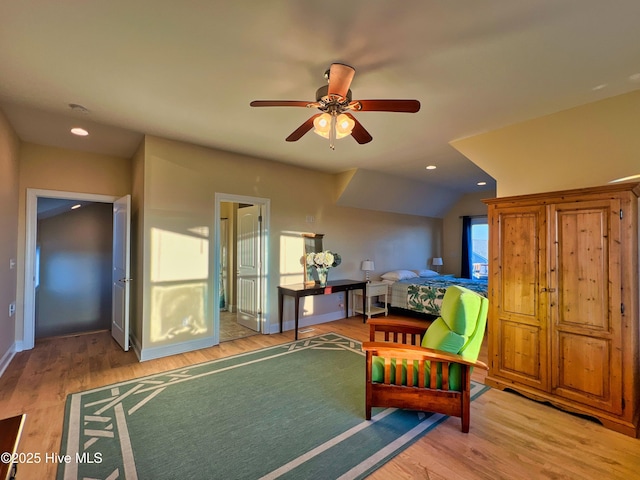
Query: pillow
x,y
426,273
396,275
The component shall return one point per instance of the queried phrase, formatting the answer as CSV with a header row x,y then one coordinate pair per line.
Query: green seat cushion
x,y
377,373
459,330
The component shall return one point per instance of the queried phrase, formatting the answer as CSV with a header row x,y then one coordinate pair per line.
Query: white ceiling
x,y
188,70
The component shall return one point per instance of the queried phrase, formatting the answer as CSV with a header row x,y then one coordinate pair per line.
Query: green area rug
x,y
291,411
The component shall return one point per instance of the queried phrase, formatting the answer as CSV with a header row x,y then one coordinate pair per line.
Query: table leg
x,y
364,304
280,308
347,294
296,314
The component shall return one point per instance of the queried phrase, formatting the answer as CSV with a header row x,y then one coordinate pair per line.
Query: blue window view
x,y
480,248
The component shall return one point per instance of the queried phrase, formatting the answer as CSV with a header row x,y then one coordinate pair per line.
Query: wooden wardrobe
x,y
564,294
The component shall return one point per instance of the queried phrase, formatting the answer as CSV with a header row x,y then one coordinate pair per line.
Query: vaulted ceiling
x,y
188,70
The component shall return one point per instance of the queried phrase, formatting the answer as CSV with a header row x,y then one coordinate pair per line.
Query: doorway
x,y
74,245
240,246
31,261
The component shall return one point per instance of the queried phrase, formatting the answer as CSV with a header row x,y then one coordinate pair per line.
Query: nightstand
x,y
374,289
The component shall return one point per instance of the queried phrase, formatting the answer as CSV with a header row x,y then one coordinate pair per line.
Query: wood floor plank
x,y
511,437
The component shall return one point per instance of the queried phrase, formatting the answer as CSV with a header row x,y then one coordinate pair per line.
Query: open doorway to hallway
x,y
71,280
241,262
74,245
232,323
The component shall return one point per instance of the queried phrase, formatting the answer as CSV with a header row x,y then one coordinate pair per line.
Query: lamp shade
x,y
322,125
436,261
367,266
342,125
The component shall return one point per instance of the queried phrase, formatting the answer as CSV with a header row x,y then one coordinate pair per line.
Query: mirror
x,y
312,244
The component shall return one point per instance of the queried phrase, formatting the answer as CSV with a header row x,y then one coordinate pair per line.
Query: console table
x,y
333,286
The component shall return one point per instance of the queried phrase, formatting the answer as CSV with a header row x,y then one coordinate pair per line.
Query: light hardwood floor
x,y
510,438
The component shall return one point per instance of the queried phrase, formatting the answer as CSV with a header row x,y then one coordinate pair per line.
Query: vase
x,y
322,275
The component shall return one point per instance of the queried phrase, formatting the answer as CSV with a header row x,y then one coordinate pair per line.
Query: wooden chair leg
x,y
368,392
465,419
466,399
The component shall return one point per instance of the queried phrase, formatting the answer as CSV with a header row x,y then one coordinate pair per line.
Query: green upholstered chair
x,y
427,367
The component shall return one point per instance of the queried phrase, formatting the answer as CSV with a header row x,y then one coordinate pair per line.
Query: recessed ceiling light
x,y
77,205
625,179
81,132
480,184
431,167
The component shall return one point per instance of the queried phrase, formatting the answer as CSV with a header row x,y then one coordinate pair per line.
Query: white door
x,y
121,271
249,235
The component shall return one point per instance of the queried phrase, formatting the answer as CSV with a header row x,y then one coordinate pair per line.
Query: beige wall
x,y
180,185
9,154
52,168
471,205
584,146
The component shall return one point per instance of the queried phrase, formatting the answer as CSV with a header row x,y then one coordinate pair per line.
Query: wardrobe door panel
x,y
585,282
518,319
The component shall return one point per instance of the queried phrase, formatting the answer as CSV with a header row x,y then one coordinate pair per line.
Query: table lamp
x,y
367,266
437,262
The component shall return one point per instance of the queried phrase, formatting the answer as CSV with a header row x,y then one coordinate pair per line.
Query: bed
x,y
423,294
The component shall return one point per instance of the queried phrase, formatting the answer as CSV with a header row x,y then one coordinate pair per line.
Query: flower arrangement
x,y
322,262
325,259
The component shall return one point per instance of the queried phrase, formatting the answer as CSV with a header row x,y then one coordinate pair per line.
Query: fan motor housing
x,y
322,94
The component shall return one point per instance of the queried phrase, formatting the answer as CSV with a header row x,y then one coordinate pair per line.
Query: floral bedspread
x,y
425,294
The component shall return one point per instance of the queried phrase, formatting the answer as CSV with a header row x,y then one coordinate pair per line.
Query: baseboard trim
x,y
135,345
153,353
6,358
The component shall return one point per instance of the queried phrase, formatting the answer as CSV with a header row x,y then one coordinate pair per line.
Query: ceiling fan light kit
x,y
335,103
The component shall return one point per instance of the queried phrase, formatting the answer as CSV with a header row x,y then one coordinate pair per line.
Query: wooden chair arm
x,y
398,331
413,352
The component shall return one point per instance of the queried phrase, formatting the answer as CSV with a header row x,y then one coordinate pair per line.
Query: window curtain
x,y
465,268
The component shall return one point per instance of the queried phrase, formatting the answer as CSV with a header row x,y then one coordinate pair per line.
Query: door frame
x,y
265,203
31,232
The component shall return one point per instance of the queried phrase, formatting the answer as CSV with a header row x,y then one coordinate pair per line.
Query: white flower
x,y
325,259
328,258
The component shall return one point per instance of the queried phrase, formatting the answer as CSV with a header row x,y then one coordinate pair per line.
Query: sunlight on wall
x,y
291,250
179,276
177,311
292,269
176,256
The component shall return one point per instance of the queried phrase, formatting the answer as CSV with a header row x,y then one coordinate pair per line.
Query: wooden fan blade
x,y
359,133
406,106
302,129
283,103
340,77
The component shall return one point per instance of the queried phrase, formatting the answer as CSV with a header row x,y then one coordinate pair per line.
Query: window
x,y
479,254
475,248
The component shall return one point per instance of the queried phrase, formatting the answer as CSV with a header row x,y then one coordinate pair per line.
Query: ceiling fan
x,y
335,104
